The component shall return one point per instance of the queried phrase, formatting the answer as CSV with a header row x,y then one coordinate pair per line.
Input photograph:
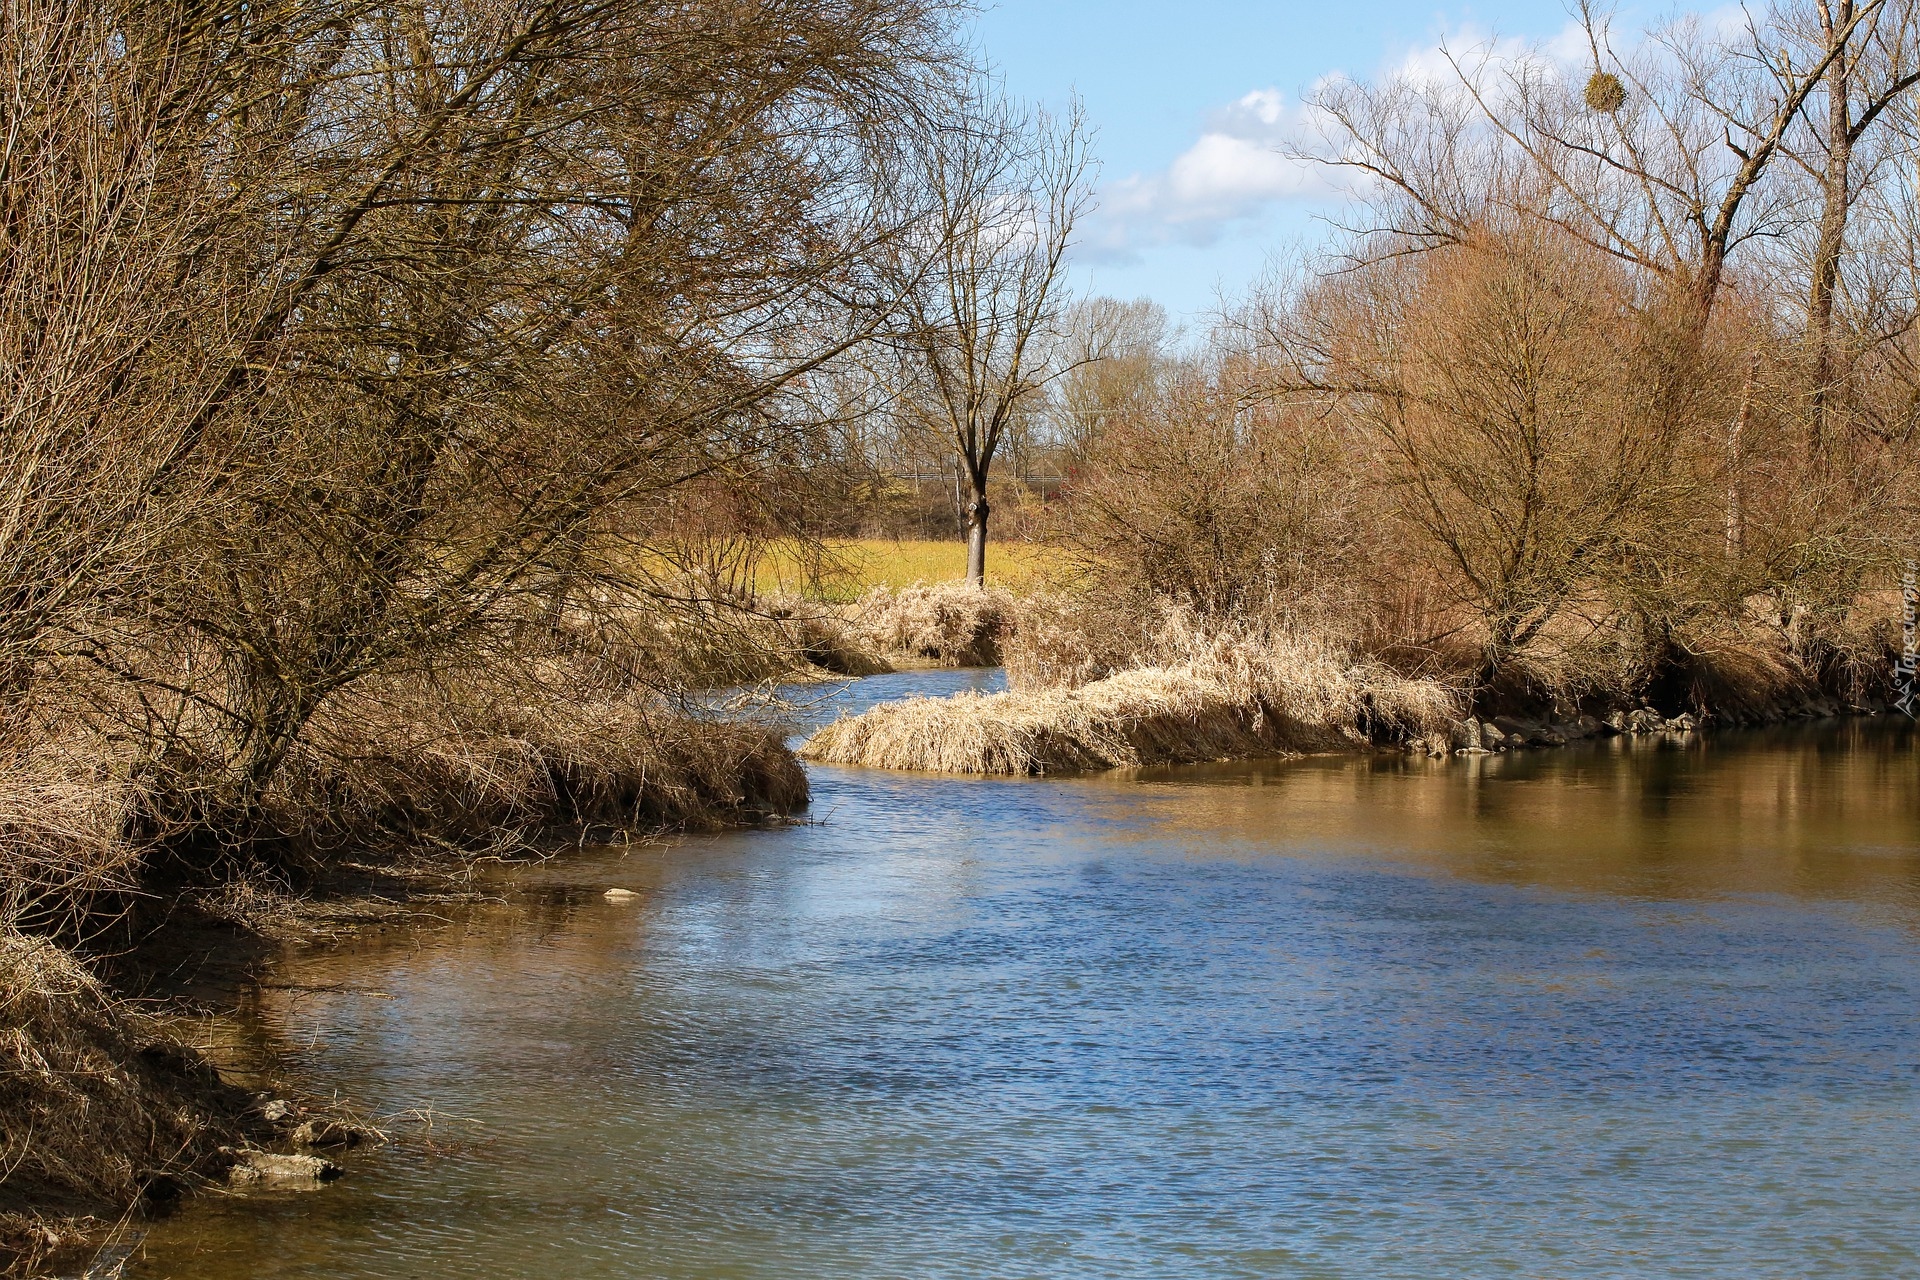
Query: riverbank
x,y
109,946
1161,716
113,1113
1093,688
385,800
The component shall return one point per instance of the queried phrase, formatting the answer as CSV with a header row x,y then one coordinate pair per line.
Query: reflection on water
x,y
1617,1010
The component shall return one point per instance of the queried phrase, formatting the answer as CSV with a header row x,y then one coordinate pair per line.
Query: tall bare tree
x,y
118,311
1875,59
1656,155
1010,186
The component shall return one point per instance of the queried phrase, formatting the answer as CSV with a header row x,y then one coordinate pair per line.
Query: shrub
x,y
952,623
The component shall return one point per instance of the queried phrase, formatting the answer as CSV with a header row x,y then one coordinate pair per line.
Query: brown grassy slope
x,y
461,757
1236,698
97,1106
466,761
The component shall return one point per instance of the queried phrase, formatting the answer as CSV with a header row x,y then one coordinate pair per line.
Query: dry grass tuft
x,y
98,1108
693,634
469,759
66,809
951,623
1235,696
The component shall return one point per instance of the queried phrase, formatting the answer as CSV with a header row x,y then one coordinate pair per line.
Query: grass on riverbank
x,y
1236,697
952,624
99,1109
467,760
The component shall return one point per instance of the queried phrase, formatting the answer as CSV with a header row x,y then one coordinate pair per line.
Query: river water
x,y
1629,1008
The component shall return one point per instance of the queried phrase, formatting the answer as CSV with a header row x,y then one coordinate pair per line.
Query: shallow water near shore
x,y
1629,1008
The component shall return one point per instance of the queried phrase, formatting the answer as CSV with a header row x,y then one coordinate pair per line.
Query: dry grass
x,y
493,749
1061,640
860,564
695,633
64,849
467,759
951,623
1234,696
98,1108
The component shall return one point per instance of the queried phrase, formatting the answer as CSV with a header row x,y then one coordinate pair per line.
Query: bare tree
x,y
1201,490
1521,416
1874,61
1115,356
1655,155
1010,186
117,313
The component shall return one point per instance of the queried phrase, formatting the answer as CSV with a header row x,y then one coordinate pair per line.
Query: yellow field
x,y
869,562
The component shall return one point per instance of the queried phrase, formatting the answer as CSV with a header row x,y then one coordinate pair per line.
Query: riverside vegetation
x,y
1602,419
416,413
390,389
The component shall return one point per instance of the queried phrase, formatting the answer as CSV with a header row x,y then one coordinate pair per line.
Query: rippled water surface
x,y
1618,1010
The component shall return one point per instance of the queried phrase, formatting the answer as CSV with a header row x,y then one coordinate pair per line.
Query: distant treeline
x,y
1610,393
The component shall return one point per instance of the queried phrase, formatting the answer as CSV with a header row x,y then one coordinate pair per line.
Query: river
x,y
1628,1008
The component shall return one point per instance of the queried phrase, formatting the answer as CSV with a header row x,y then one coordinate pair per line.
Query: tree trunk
x,y
1736,513
1836,196
977,512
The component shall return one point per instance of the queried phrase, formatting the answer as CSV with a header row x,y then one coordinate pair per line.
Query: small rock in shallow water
x,y
278,1111
619,895
270,1169
327,1133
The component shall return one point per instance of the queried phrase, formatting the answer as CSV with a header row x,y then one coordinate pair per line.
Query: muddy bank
x,y
112,1111
103,1111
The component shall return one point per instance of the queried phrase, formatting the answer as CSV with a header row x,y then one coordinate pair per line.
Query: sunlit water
x,y
1624,1009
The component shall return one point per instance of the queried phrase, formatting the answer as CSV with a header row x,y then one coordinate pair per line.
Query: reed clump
x,y
952,624
1237,694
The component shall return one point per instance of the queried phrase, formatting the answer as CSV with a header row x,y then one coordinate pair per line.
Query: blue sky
x,y
1190,100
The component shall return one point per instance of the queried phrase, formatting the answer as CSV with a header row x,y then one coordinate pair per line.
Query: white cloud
x,y
1243,163
1233,171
